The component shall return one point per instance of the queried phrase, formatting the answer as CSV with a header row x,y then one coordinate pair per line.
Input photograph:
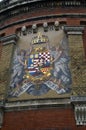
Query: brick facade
x,y
45,119
41,119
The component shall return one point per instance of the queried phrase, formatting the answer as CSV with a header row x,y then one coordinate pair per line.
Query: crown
x,y
40,39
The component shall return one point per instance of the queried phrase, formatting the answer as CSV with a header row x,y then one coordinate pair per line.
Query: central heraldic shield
x,y
39,60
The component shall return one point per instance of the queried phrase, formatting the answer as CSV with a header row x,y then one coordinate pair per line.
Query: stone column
x,y
8,44
78,71
77,56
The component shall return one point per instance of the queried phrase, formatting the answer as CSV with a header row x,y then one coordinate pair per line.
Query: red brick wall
x,y
48,119
45,12
70,21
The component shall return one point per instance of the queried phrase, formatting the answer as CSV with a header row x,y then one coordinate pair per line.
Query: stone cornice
x,y
74,29
11,5
77,99
9,39
37,104
42,17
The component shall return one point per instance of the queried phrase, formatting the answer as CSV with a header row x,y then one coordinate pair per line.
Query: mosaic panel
x,y
40,66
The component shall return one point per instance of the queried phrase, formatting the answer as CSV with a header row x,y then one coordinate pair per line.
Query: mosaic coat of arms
x,y
40,68
39,61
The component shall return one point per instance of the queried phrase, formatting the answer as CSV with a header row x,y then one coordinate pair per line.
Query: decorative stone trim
x,y
9,39
13,3
77,33
80,114
34,27
43,17
37,104
75,99
45,26
74,29
56,24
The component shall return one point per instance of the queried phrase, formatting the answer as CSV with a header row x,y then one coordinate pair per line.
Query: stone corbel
x,y
80,114
56,24
45,26
34,28
79,103
24,30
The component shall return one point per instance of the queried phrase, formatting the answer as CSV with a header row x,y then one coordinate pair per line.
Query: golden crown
x,y
39,39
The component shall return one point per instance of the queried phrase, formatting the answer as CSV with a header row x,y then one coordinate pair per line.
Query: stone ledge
x,y
9,39
74,29
37,104
78,99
